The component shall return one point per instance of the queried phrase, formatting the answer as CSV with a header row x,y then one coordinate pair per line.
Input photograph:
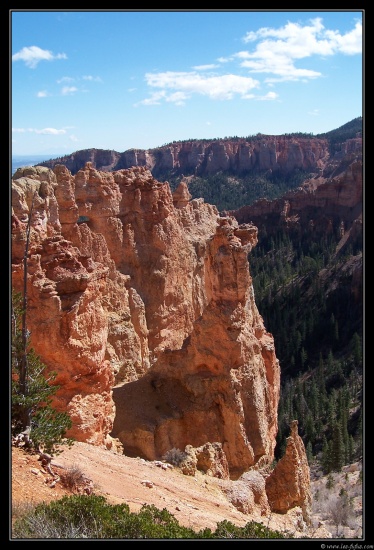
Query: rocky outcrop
x,y
142,302
288,485
203,157
248,493
324,203
209,458
323,206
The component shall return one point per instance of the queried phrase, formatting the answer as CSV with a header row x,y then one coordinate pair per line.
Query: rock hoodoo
x,y
142,301
288,485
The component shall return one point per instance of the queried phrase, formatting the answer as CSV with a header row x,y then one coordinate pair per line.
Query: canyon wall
x,y
203,157
330,201
142,301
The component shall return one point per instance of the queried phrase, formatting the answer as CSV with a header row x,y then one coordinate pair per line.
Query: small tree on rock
x,y
35,423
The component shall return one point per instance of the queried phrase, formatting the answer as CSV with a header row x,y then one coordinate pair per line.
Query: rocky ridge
x,y
204,157
330,200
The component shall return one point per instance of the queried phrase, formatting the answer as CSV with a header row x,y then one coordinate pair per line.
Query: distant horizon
x,y
177,75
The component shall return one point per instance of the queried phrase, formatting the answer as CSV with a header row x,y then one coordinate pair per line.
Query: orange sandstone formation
x,y
288,485
143,303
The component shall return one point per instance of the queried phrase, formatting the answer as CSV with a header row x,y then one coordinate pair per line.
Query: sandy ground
x,y
196,502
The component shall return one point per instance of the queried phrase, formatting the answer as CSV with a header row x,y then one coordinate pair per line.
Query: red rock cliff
x,y
204,157
143,303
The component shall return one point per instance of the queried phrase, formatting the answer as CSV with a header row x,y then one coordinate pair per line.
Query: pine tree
x,y
32,416
359,437
310,431
31,410
315,400
326,459
303,357
357,350
343,404
321,377
309,452
337,449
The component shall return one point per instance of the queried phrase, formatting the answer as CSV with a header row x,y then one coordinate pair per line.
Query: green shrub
x,y
92,517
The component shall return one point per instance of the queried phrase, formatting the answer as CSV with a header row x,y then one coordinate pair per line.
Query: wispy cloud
x,y
50,131
154,99
273,58
179,98
278,49
92,78
65,79
32,55
302,41
42,93
44,131
205,67
270,96
69,90
188,83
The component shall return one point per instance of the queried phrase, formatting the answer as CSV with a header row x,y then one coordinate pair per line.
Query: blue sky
x,y
140,79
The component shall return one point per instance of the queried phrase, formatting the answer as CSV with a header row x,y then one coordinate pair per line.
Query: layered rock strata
x,y
143,304
327,202
264,152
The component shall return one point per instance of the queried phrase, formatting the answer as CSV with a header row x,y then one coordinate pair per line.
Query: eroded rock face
x,y
323,203
142,301
276,153
209,458
288,485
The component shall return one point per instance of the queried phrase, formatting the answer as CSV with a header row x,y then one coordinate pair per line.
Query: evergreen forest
x,y
303,292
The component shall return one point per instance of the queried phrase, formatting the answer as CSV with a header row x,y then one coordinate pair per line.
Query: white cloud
x,y
92,78
278,49
280,65
270,96
276,54
215,87
179,98
205,67
350,43
50,131
65,79
69,90
42,93
74,138
32,55
154,99
45,131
